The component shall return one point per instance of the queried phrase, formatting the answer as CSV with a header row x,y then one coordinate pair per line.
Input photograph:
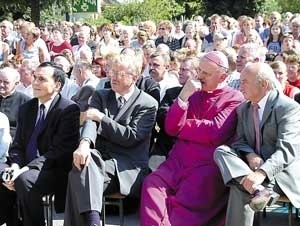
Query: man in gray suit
x,y
114,146
260,165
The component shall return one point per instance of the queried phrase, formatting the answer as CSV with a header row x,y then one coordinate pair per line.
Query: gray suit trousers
x,y
86,188
232,168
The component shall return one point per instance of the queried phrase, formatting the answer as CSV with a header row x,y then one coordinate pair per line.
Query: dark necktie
x,y
256,127
121,102
32,150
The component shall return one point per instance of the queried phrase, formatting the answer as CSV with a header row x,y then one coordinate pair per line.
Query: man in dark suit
x,y
262,161
114,146
41,153
164,142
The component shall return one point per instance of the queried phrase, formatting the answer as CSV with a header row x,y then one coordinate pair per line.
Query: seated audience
x,y
10,99
280,71
26,71
188,187
163,144
261,163
114,145
41,152
292,62
165,35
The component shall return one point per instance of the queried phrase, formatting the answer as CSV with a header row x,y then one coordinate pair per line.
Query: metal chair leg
x,y
121,213
103,211
290,213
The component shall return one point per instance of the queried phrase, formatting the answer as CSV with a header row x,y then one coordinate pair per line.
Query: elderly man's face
x,y
26,74
250,87
8,84
157,68
210,74
5,30
121,78
242,59
186,71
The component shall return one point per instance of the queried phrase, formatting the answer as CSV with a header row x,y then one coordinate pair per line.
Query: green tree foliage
x,y
236,8
133,12
289,5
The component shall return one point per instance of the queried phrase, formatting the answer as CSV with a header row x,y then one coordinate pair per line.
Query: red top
x,y
60,48
296,83
289,90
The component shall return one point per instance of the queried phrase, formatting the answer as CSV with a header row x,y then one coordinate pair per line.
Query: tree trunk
x,y
35,11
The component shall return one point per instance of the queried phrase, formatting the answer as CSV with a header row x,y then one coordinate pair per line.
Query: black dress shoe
x,y
263,198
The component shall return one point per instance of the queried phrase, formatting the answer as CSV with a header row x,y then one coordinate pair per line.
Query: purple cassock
x,y
187,189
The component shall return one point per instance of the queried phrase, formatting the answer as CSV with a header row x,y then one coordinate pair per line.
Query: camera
x,y
7,174
270,57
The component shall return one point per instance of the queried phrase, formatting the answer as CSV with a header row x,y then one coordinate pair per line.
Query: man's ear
x,y
265,84
58,86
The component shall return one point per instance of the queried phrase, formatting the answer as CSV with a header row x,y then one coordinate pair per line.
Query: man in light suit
x,y
113,152
258,171
41,168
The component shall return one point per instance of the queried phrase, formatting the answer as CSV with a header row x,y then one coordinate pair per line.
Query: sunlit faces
x,y
210,74
8,84
251,88
275,30
157,68
26,74
242,59
57,35
186,71
287,43
292,70
121,78
82,38
44,85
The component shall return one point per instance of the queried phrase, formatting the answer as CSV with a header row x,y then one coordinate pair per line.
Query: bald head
x,y
9,79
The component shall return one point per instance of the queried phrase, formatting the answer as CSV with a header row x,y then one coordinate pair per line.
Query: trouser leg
x,y
86,188
30,187
239,212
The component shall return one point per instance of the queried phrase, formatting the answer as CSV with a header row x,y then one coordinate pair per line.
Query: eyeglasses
x,y
162,28
119,74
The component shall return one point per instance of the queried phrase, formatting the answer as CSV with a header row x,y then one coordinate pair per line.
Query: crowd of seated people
x,y
195,118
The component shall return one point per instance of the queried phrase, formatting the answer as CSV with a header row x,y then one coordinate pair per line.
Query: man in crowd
x,y
158,69
27,70
262,161
41,153
188,187
114,146
10,99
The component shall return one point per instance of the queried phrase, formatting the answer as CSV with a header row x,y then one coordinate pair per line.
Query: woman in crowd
x,y
108,42
273,43
31,46
58,44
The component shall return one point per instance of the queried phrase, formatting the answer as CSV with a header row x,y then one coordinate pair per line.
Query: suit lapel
x,y
250,124
269,106
49,113
111,104
33,113
128,104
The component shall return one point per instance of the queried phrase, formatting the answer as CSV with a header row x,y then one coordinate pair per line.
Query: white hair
x,y
266,73
11,72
